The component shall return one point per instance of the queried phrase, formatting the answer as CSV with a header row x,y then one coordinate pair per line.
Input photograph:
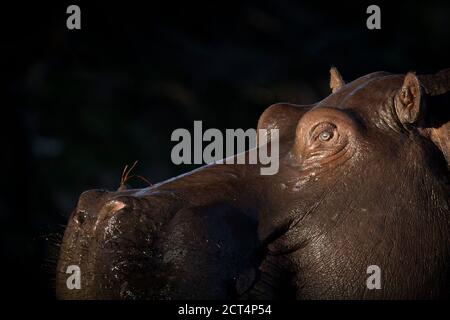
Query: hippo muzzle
x,y
157,242
107,230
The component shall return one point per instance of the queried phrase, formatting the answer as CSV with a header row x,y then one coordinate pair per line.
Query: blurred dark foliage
x,y
79,105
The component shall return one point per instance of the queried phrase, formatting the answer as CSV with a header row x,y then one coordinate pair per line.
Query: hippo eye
x,y
325,135
323,132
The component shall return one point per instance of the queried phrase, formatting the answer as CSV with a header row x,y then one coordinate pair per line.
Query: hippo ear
x,y
437,116
336,81
436,84
441,138
408,101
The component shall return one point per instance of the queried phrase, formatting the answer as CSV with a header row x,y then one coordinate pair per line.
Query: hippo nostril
x,y
80,216
115,205
121,202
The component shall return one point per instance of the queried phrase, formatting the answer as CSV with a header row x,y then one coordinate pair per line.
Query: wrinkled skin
x,y
363,180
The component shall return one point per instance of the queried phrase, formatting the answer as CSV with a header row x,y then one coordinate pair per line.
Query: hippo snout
x,y
159,242
109,237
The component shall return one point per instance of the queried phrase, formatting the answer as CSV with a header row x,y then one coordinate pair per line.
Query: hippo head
x,y
363,181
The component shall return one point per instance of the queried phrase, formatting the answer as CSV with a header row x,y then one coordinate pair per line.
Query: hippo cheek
x,y
111,246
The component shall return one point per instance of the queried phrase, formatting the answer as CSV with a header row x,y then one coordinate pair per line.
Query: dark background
x,y
77,105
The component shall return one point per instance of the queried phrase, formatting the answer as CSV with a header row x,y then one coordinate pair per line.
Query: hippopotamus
x,y
363,181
